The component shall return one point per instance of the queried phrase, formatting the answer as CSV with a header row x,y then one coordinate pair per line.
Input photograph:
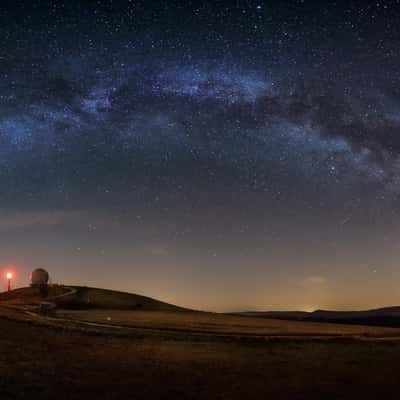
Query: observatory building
x,y
39,278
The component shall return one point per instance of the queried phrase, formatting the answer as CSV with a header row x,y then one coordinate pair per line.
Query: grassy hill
x,y
108,307
30,295
86,297
81,297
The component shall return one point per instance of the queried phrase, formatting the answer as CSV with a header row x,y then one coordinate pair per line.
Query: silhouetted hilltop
x,y
82,297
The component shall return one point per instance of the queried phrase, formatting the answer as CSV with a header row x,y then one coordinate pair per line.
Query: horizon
x,y
19,282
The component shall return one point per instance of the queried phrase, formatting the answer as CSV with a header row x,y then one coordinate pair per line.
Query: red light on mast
x,y
9,276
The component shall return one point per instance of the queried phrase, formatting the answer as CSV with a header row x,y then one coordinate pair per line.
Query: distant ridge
x,y
385,316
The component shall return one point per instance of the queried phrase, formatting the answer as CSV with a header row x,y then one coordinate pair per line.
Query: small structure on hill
x,y
40,279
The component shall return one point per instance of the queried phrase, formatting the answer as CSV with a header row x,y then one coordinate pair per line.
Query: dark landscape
x,y
115,349
199,200
386,316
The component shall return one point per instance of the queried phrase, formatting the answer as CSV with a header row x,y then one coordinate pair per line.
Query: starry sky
x,y
221,155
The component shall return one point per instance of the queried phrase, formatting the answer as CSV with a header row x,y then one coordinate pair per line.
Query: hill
x,y
30,295
87,297
81,297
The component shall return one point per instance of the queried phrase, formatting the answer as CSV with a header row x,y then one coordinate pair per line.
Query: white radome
x,y
39,277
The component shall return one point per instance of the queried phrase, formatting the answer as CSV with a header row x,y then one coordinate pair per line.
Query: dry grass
x,y
63,360
86,297
29,295
40,362
222,324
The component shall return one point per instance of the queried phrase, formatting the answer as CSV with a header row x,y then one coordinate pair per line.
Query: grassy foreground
x,y
152,350
46,363
211,323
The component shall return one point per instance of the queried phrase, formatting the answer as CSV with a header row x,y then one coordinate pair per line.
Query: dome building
x,y
39,277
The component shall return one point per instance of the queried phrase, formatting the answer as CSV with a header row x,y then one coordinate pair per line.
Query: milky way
x,y
221,127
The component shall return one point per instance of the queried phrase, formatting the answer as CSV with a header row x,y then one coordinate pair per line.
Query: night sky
x,y
222,155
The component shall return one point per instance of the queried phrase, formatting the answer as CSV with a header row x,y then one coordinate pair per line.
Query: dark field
x,y
54,363
222,324
152,353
